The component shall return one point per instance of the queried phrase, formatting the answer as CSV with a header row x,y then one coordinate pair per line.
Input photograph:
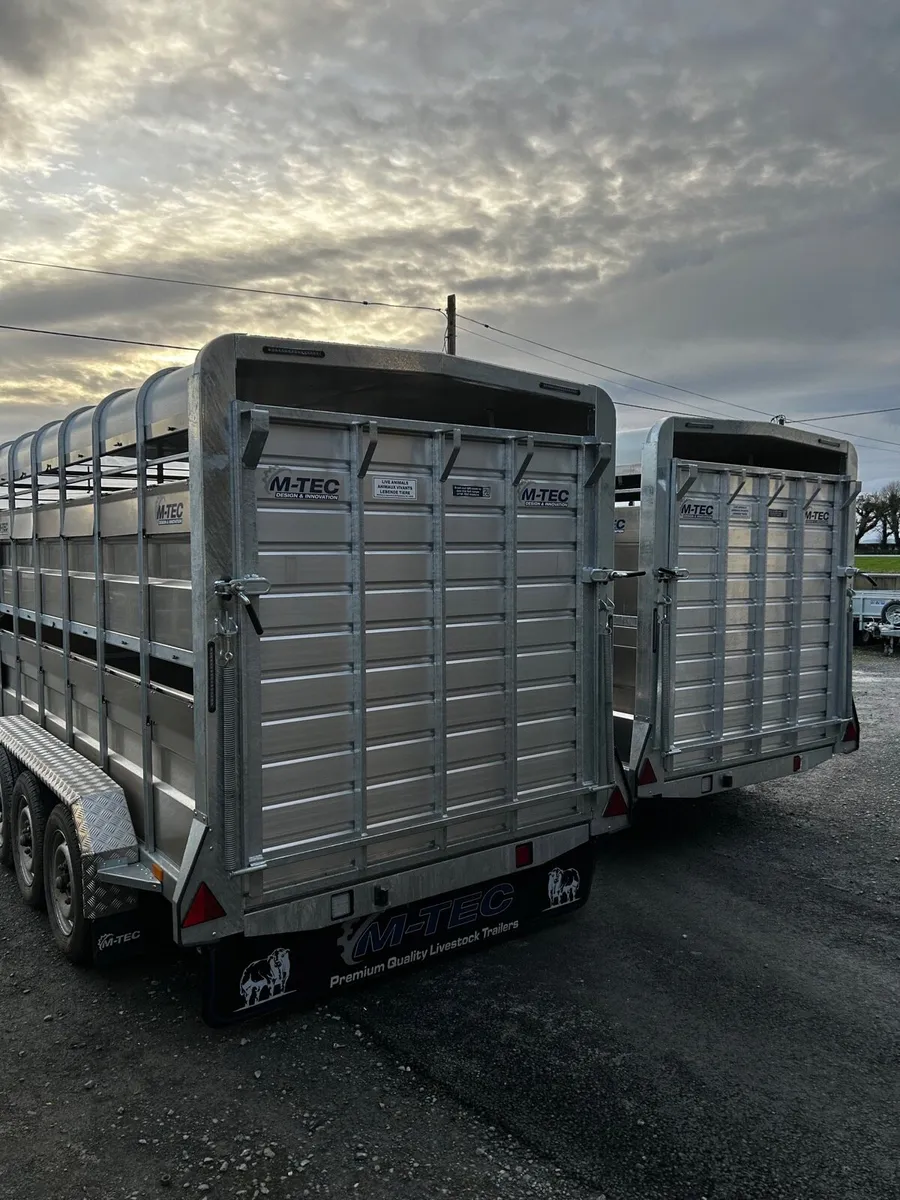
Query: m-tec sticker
x,y
300,486
697,510
545,495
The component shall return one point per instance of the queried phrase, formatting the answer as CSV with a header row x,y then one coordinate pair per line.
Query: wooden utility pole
x,y
451,324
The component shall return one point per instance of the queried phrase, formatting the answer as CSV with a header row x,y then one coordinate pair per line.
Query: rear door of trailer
x,y
752,627
430,679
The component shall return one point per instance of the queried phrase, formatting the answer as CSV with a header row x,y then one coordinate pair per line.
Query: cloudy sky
x,y
705,192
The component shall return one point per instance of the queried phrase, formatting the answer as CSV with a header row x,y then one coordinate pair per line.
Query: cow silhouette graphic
x,y
266,978
562,886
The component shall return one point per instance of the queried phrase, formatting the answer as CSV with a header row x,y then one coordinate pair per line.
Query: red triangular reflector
x,y
616,806
851,733
646,774
204,907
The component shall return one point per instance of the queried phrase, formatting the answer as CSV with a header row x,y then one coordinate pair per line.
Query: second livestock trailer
x,y
732,660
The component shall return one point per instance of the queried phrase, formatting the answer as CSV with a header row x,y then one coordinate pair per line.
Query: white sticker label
x,y
471,491
740,510
393,487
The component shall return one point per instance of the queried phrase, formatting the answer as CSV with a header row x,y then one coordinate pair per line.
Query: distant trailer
x,y
874,611
733,642
307,640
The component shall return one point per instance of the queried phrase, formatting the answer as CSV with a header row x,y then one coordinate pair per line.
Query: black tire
x,y
7,783
63,887
890,614
29,820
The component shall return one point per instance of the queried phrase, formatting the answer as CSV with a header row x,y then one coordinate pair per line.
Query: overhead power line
x,y
618,370
880,442
866,412
221,287
856,437
615,382
94,337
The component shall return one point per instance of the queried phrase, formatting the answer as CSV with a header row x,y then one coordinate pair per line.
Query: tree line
x,y
879,511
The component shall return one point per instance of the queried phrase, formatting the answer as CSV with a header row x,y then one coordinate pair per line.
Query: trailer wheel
x,y
890,614
29,819
7,783
63,887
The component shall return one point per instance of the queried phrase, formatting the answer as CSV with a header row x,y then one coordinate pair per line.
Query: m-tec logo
x,y
170,514
689,509
817,516
305,487
535,496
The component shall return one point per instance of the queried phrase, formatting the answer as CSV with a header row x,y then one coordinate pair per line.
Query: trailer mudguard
x,y
105,830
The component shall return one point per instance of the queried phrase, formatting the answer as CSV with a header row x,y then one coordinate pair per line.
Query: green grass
x,y
879,564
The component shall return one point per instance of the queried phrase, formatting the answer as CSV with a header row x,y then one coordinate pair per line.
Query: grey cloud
x,y
707,191
34,31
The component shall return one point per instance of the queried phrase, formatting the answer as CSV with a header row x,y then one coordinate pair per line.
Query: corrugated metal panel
x,y
753,623
455,741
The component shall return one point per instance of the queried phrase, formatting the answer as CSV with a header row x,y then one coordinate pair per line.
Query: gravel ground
x,y
722,1020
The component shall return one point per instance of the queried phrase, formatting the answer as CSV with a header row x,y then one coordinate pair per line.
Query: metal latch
x,y
669,574
606,575
852,572
245,588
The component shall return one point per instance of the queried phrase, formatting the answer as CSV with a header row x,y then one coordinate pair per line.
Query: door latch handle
x,y
606,575
669,574
251,613
244,589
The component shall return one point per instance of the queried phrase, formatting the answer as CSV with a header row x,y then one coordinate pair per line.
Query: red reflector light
x,y
646,774
616,806
525,854
204,907
851,733
798,762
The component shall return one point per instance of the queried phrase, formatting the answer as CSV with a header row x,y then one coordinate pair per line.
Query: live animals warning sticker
x,y
393,487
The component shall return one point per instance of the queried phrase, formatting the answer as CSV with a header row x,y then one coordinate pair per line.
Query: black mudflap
x,y
119,937
250,977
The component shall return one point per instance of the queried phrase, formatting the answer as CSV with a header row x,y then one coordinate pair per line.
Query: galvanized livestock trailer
x,y
733,641
309,641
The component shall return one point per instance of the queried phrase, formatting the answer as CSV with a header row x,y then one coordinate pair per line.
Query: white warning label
x,y
393,487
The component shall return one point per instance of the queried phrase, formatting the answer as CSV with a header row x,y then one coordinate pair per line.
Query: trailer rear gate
x,y
756,664
733,647
427,678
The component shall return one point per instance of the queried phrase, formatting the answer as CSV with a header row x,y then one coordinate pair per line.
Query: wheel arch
x,y
96,802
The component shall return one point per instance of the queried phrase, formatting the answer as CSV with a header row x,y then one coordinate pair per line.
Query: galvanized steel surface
x,y
735,645
422,648
428,680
